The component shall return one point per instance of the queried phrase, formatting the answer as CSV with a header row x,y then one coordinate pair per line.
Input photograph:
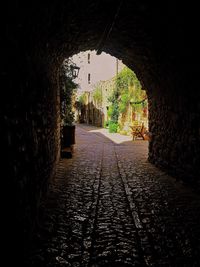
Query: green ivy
x,y
124,102
127,89
113,110
127,78
67,90
113,126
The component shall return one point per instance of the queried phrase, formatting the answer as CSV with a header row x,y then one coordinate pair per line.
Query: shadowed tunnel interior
x,y
157,40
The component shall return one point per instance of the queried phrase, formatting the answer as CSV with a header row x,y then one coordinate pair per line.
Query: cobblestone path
x,y
109,207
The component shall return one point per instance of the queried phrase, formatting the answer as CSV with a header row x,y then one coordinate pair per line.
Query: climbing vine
x,y
127,91
113,111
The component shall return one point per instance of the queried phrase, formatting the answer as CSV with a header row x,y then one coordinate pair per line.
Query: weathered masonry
x,y
158,41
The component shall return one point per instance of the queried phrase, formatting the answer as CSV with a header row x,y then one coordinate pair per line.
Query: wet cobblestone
x,y
108,206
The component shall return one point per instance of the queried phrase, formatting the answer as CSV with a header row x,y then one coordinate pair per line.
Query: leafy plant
x,y
67,90
113,112
113,126
138,100
127,91
125,97
127,78
97,95
82,99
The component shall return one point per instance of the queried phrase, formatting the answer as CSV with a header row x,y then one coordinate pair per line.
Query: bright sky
x,y
98,67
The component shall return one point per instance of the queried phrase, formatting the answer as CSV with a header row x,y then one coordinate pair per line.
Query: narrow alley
x,y
108,206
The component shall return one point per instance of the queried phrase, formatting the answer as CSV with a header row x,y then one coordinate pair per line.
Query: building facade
x,y
95,68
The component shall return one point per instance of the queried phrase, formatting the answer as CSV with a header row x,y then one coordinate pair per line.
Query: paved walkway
x,y
109,207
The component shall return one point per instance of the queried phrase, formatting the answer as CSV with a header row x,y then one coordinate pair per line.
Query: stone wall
x,y
175,144
32,148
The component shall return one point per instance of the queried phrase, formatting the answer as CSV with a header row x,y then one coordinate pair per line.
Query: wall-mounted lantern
x,y
74,71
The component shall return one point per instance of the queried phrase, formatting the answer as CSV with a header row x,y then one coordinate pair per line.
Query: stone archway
x,y
155,40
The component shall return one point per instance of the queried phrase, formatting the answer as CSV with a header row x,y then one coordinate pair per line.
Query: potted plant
x,y
68,134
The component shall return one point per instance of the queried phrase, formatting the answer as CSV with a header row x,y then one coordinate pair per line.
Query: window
x,y
89,77
88,58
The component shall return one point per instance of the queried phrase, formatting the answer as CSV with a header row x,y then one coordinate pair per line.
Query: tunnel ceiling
x,y
149,37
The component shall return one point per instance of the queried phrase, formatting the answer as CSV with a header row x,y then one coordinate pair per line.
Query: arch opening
x,y
113,98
